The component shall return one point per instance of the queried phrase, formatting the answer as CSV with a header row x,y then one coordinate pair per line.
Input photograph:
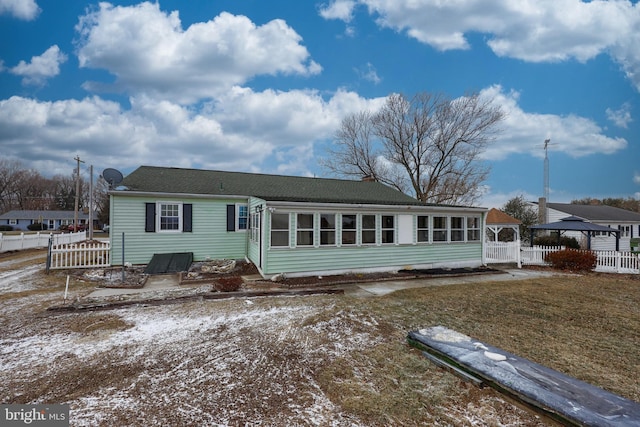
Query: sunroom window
x,y
327,229
439,228
348,229
388,229
423,228
368,229
473,228
304,232
457,229
279,229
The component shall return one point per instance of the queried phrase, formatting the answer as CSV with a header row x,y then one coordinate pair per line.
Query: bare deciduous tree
x,y
429,145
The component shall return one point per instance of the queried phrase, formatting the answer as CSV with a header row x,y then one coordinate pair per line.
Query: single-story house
x,y
625,221
21,219
286,224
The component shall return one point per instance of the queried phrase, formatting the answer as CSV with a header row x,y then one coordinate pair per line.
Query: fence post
x,y
48,267
1,239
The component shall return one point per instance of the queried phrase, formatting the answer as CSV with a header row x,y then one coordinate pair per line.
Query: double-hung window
x,y
368,229
388,229
242,217
327,229
473,229
348,229
304,231
279,229
423,228
457,229
440,229
169,218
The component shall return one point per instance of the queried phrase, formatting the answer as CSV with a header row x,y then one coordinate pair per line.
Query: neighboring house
x,y
627,222
20,220
285,224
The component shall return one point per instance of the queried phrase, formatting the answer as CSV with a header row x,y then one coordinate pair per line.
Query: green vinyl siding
x,y
370,256
209,237
279,260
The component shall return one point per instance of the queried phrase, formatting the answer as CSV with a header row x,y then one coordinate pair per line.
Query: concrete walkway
x,y
365,289
388,286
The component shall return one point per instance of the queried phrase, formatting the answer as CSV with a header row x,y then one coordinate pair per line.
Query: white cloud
x,y
41,67
369,73
530,30
338,9
620,117
525,132
21,9
636,178
148,51
240,131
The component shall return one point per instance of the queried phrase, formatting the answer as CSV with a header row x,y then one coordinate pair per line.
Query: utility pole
x,y
91,204
75,213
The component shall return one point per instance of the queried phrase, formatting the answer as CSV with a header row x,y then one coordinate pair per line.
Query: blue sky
x,y
259,86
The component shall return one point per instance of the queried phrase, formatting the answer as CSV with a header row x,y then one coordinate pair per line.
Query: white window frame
x,y
457,234
159,217
306,230
473,228
280,230
435,231
13,222
374,229
329,231
238,216
353,230
384,229
254,225
426,229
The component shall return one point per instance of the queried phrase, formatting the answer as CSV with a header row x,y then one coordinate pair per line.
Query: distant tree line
x,y
22,188
629,203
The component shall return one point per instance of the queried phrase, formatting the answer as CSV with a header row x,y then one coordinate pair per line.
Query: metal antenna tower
x,y
546,170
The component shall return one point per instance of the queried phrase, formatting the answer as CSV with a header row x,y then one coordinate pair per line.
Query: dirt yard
x,y
331,360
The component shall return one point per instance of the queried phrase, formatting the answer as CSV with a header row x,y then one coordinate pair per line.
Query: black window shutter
x,y
231,217
186,218
150,218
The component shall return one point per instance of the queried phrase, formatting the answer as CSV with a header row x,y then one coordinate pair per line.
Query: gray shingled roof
x,y
268,187
596,212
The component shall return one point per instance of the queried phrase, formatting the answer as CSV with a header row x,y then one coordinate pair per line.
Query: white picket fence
x,y
80,255
512,252
502,252
38,240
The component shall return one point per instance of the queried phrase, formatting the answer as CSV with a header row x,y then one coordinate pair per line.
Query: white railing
x,y
81,255
607,261
502,252
38,240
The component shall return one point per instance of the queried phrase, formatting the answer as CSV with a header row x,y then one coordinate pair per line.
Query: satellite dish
x,y
112,176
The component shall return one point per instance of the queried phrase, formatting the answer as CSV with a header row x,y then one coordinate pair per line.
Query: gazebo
x,y
575,223
498,221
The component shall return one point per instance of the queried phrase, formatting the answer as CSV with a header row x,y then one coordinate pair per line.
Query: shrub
x,y
37,226
572,260
6,228
551,240
228,284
